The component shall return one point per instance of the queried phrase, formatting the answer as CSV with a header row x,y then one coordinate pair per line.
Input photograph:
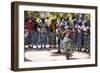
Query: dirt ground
x,y
49,54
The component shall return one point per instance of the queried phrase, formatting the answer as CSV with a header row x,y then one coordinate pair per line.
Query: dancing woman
x,y
68,44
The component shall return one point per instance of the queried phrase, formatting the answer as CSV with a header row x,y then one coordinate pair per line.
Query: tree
x,y
32,13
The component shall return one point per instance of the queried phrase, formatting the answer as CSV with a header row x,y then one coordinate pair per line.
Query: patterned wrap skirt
x,y
86,41
42,38
27,39
52,38
79,39
32,38
68,45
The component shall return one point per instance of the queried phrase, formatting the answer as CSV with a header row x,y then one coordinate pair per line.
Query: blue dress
x,y
43,33
34,33
79,39
34,39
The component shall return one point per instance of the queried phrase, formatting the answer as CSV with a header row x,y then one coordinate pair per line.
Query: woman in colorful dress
x,y
34,39
52,33
86,37
79,39
68,44
43,33
28,28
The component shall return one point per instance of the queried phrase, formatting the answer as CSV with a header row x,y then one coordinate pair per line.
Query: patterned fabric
x,y
86,41
26,33
52,38
79,39
34,39
68,45
42,38
27,40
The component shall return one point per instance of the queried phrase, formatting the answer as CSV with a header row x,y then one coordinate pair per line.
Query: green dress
x,y
68,45
52,34
86,41
52,38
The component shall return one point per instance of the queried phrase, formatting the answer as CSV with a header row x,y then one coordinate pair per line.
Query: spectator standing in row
x,y
43,33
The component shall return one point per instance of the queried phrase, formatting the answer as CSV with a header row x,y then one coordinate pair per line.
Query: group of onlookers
x,y
54,32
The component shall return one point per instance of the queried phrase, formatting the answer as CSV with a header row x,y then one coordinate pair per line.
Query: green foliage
x,y
32,13
53,15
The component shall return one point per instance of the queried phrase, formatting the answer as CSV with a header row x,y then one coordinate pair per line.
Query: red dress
x,y
28,26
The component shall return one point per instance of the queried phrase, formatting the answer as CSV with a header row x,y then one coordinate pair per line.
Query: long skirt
x,y
52,38
86,41
79,40
27,39
34,39
68,45
42,38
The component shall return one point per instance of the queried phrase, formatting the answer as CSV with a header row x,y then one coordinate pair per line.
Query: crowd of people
x,y
61,32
